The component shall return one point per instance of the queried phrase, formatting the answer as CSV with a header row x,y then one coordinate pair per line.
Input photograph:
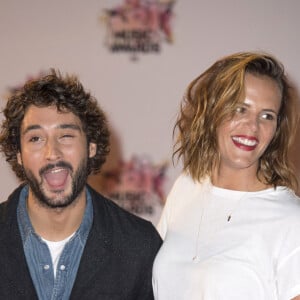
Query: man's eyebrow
x,y
69,126
31,127
61,126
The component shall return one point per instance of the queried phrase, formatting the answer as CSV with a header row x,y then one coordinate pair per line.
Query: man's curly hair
x,y
68,95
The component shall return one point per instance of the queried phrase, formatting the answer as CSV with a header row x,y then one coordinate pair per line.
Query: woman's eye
x,y
240,109
268,117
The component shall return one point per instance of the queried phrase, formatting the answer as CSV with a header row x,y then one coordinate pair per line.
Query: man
x,y
59,239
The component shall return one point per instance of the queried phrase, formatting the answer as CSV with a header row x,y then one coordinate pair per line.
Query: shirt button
x,y
62,267
46,267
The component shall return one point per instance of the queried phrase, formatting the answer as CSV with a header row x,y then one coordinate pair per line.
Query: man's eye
x,y
67,136
34,139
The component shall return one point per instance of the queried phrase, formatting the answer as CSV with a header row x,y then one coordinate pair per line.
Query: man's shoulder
x,y
118,218
108,206
10,203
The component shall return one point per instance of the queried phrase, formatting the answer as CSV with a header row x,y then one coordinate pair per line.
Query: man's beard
x,y
79,179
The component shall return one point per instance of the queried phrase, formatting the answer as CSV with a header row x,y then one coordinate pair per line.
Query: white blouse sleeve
x,y
288,270
175,195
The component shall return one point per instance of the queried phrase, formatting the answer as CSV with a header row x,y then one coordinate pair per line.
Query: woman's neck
x,y
238,180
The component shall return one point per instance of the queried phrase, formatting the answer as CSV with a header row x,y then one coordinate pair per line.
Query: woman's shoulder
x,y
287,202
286,195
185,179
185,182
185,187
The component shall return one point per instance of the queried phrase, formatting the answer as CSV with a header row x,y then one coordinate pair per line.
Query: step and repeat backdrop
x,y
137,58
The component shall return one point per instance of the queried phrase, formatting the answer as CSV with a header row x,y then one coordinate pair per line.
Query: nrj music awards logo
x,y
137,185
139,26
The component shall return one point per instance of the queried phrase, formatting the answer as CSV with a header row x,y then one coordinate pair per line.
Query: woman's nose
x,y
252,122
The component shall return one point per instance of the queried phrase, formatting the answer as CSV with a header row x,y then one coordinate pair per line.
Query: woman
x,y
231,222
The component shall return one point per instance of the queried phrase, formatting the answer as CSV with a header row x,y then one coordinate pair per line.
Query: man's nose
x,y
53,151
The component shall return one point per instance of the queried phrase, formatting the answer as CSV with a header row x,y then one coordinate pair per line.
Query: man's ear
x,y
92,149
19,159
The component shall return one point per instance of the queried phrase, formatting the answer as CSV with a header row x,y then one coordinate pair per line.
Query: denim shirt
x,y
39,259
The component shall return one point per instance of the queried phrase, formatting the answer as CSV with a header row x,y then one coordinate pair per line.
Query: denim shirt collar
x,y
39,258
26,226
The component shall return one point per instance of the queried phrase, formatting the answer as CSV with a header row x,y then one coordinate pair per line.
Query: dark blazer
x,y
116,263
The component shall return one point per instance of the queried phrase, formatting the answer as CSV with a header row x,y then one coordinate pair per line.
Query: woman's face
x,y
243,139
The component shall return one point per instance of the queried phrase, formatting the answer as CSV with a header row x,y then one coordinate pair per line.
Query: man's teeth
x,y
244,141
56,170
